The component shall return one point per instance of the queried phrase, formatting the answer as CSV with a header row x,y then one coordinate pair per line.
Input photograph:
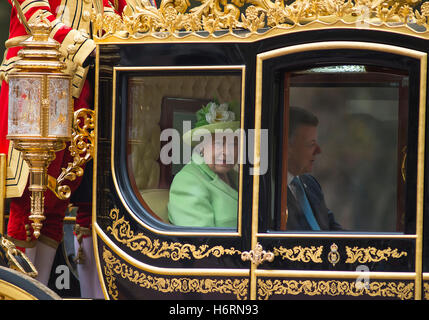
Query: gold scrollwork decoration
x,y
400,290
81,149
115,268
300,254
153,248
371,254
210,16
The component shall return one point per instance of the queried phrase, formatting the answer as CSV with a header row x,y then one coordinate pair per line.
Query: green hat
x,y
213,117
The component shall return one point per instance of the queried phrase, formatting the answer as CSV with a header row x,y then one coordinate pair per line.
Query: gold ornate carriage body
x,y
163,63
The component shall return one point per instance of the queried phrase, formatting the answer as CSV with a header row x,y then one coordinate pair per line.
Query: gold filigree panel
x,y
371,254
120,229
115,268
334,288
300,254
252,15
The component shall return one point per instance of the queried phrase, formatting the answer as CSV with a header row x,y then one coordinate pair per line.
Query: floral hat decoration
x,y
212,117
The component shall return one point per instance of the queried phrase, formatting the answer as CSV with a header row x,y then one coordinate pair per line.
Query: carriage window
x,y
183,145
344,154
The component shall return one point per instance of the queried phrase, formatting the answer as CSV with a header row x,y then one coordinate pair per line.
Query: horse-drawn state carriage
x,y
361,66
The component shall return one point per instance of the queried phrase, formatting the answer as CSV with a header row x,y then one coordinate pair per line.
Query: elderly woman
x,y
204,193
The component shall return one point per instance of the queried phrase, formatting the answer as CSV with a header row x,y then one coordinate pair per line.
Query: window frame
x,y
262,73
121,174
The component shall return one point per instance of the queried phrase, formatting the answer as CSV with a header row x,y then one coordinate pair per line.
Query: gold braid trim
x,y
15,41
7,65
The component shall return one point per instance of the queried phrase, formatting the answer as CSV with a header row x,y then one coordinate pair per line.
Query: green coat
x,y
199,198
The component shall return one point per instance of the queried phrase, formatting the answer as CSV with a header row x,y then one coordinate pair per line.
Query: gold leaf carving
x,y
300,254
115,268
400,290
174,16
254,18
371,254
153,248
81,149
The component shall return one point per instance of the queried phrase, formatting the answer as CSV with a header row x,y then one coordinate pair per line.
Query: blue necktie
x,y
304,204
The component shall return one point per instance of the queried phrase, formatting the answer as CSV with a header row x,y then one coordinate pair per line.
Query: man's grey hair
x,y
298,117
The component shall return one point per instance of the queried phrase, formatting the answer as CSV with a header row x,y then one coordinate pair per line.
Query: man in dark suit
x,y
305,201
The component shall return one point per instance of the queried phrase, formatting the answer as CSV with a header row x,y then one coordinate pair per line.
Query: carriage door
x,y
362,172
156,235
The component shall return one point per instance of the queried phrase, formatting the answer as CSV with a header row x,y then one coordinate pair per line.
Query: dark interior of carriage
x,y
363,114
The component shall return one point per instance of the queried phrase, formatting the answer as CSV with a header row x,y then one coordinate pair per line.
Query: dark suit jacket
x,y
296,219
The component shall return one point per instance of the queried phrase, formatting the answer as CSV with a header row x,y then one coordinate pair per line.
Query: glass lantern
x,y
40,111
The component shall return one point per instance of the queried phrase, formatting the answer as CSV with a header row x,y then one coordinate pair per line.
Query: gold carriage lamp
x,y
40,111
